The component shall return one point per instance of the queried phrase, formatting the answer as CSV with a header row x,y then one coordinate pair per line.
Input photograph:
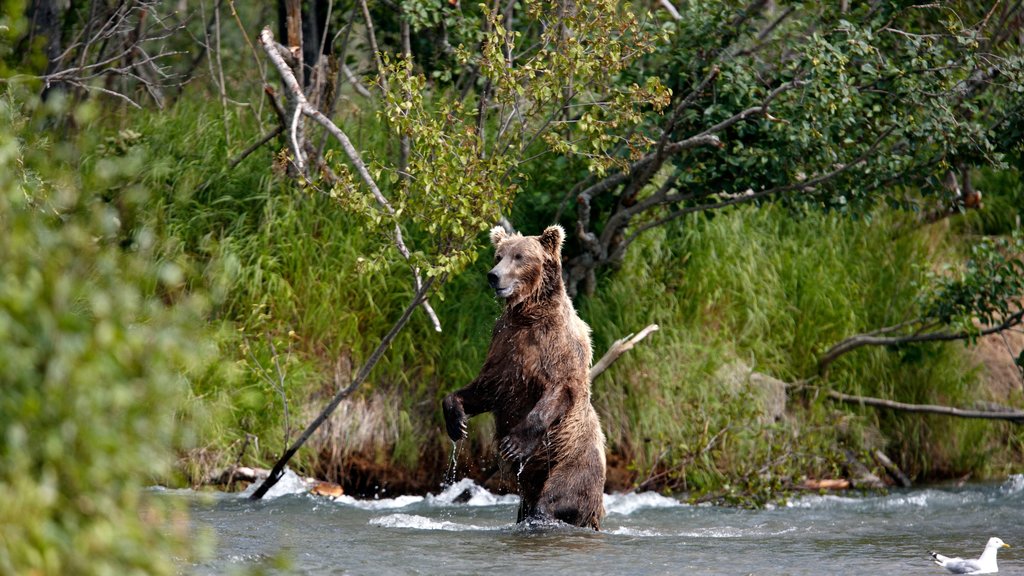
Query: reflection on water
x,y
465,529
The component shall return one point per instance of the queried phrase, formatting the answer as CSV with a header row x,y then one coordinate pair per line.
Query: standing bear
x,y
536,381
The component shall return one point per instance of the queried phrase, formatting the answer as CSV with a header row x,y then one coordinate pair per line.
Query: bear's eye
x,y
497,258
519,257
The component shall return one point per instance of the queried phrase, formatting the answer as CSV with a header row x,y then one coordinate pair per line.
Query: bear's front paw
x,y
519,446
455,419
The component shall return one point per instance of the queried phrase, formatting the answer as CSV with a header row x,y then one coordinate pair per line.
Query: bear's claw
x,y
455,419
509,451
516,450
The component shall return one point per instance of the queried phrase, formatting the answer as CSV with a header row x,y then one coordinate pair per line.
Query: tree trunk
x,y
44,18
302,33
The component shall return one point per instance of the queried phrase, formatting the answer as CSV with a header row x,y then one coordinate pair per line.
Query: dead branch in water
x,y
278,471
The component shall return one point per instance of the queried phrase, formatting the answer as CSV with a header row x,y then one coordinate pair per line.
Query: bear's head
x,y
526,267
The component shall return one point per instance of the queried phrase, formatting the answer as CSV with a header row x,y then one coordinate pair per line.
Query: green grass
x,y
775,289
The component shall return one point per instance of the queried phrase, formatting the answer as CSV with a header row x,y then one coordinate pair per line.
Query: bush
x,y
97,342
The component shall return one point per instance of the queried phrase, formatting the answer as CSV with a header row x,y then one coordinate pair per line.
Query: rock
x,y
768,392
327,489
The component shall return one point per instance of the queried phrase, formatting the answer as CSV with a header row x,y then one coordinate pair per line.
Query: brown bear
x,y
536,381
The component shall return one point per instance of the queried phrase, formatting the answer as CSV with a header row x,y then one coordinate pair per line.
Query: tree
x,y
707,107
806,104
119,49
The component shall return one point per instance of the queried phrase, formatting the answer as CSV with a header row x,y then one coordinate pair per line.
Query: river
x,y
466,530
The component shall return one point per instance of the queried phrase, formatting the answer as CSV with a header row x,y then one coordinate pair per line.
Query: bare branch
x,y
419,298
620,347
273,50
356,84
750,195
873,339
671,9
1014,416
372,38
255,146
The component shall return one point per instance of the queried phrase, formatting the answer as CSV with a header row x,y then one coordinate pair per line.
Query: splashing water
x,y
290,483
1013,485
449,475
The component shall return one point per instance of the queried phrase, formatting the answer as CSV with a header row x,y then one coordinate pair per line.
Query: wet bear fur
x,y
536,381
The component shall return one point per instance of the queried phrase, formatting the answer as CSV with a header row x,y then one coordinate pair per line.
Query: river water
x,y
466,530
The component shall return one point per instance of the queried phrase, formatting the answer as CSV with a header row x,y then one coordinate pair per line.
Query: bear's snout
x,y
492,279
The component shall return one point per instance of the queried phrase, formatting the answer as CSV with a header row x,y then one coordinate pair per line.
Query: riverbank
x,y
746,301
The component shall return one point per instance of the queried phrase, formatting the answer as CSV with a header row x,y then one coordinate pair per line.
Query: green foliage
x,y
450,189
99,345
987,289
850,91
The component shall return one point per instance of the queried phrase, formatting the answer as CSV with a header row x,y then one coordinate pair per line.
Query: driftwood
x,y
824,484
892,469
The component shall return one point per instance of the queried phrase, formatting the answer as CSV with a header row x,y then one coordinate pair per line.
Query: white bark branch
x,y
671,9
620,347
1015,416
273,51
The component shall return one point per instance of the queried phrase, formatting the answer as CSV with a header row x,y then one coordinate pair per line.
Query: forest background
x,y
198,254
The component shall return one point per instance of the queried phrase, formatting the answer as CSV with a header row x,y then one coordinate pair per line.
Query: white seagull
x,y
986,564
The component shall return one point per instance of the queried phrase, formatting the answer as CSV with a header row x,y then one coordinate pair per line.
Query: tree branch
x,y
1017,417
273,51
620,347
277,471
874,339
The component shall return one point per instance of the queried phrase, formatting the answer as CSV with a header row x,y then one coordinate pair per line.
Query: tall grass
x,y
774,288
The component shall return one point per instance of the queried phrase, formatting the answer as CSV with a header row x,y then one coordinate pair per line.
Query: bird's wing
x,y
961,566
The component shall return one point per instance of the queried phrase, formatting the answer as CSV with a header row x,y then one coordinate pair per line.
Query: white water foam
x,y
826,501
919,500
822,501
626,504
415,522
1013,485
626,531
465,492
379,503
732,532
290,483
468,493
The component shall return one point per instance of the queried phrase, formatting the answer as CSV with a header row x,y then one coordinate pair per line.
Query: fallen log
x,y
1015,416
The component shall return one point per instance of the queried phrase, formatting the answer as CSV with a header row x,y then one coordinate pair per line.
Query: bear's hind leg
x,y
574,491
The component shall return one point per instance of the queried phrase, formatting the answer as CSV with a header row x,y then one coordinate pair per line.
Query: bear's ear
x,y
498,234
551,239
